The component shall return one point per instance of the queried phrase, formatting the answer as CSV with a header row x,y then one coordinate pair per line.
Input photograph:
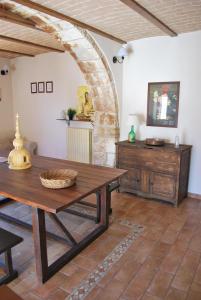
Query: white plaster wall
x,y
6,113
39,111
167,59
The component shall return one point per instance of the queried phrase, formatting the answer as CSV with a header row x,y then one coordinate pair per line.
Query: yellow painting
x,y
85,110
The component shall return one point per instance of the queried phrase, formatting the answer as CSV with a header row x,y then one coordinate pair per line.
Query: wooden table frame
x,y
24,186
70,241
44,271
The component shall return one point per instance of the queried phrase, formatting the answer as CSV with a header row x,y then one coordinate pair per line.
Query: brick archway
x,y
96,71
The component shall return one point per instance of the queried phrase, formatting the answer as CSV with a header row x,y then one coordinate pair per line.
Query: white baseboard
x,y
196,196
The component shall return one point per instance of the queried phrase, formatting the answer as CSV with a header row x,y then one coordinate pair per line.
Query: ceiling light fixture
x,y
118,59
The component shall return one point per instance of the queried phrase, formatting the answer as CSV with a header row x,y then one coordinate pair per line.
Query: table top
x,y
24,185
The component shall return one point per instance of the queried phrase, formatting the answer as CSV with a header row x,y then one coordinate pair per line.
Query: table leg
x,y
44,272
104,207
40,243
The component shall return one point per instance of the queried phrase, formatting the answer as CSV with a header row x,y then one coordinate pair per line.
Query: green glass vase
x,y
131,135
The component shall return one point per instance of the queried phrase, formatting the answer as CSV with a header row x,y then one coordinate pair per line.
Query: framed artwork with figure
x,y
163,104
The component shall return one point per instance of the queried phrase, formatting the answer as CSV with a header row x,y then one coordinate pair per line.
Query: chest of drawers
x,y
154,172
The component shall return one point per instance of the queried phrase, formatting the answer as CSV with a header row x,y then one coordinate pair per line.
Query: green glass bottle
x,y
131,135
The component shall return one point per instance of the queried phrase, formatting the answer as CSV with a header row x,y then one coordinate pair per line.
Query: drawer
x,y
171,168
148,154
150,160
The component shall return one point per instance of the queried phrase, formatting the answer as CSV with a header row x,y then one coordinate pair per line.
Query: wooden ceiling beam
x,y
149,16
15,53
58,15
26,43
13,18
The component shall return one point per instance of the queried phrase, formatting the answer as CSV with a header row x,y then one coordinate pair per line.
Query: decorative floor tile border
x,y
88,284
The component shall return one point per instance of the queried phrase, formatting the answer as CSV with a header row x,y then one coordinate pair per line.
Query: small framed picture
x,y
34,87
41,87
163,104
49,86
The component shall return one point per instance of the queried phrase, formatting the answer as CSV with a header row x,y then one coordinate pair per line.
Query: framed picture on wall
x,y
34,87
163,104
41,87
49,86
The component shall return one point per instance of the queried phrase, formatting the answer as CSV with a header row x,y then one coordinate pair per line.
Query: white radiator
x,y
79,144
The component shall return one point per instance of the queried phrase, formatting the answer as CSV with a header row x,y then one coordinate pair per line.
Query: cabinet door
x,y
131,180
163,185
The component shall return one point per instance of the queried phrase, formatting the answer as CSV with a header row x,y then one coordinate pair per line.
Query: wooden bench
x,y
7,241
7,294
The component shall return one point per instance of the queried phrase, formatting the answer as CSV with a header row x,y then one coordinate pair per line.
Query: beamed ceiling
x,y
120,20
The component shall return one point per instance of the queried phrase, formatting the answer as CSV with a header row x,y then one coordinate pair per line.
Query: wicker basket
x,y
58,178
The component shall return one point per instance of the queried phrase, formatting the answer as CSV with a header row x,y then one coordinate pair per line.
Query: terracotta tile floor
x,y
163,262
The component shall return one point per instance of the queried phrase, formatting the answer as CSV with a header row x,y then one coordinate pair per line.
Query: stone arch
x,y
97,73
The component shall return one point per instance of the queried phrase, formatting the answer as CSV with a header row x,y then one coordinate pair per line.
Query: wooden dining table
x,y
24,186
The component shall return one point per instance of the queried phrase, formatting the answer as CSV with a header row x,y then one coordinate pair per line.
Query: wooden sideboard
x,y
154,172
